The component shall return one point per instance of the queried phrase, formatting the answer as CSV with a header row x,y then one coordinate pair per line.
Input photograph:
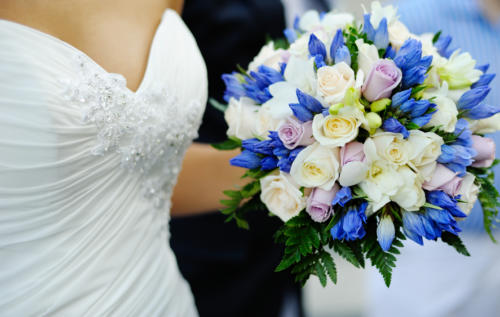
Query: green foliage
x,y
351,251
488,196
351,35
217,105
436,37
241,202
455,242
383,261
230,144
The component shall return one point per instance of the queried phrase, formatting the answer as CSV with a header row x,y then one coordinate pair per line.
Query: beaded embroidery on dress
x,y
87,169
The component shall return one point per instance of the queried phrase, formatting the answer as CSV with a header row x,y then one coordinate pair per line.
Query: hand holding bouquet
x,y
359,136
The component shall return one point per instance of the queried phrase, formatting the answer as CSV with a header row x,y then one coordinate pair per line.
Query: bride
x,y
99,102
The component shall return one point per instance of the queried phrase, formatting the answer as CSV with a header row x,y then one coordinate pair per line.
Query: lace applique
x,y
151,131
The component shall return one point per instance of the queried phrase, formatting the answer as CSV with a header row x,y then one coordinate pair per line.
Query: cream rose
x,y
265,122
281,196
426,147
485,126
446,114
398,34
268,56
316,166
468,191
241,117
410,195
337,130
392,147
333,81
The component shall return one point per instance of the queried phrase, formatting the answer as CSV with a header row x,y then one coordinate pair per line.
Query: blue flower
x,y
257,85
234,88
285,162
484,80
308,101
385,233
316,47
319,61
416,108
338,42
393,125
399,98
342,197
414,76
301,112
269,163
442,220
472,98
422,120
457,157
247,159
368,27
441,199
413,226
484,68
482,111
390,53
463,133
343,55
381,39
351,225
257,146
409,54
291,35
442,45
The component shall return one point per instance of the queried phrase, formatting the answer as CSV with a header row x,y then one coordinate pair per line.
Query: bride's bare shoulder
x,y
103,29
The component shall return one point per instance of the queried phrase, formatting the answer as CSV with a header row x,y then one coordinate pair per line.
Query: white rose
x,y
281,196
447,112
425,172
333,82
241,117
367,56
392,147
382,179
309,21
398,34
267,56
426,147
410,196
316,166
301,74
337,130
331,22
485,126
265,122
468,191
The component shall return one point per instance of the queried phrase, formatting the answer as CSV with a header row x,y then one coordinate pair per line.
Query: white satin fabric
x,y
86,174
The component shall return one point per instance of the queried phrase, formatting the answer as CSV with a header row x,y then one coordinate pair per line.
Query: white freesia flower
x,y
281,196
301,74
367,56
426,147
485,126
267,121
459,70
447,112
283,94
468,191
382,179
398,34
310,21
428,47
410,196
241,117
316,166
337,130
379,12
269,57
333,82
455,94
331,22
392,147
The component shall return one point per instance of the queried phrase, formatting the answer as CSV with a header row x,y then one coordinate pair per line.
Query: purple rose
x,y
294,133
383,78
485,148
319,203
444,179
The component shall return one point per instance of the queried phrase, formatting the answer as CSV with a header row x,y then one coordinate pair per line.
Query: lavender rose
x,y
444,179
293,134
352,152
485,148
352,160
319,203
382,79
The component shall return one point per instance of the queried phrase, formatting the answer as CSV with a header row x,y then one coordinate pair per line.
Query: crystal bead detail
x,y
150,131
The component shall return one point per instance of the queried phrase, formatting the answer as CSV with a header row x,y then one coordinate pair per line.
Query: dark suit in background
x,y
231,270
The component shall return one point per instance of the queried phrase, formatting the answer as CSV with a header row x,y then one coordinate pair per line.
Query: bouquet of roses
x,y
359,136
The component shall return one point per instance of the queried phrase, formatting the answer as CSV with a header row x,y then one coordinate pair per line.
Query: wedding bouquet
x,y
359,136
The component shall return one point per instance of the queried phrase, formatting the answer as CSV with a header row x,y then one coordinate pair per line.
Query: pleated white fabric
x,y
87,169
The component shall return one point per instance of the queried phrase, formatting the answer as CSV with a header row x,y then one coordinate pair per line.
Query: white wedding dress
x,y
87,169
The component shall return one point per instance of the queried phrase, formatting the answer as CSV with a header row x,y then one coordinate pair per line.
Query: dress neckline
x,y
79,52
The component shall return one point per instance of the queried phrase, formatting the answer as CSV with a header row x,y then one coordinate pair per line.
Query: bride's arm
x,y
205,174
